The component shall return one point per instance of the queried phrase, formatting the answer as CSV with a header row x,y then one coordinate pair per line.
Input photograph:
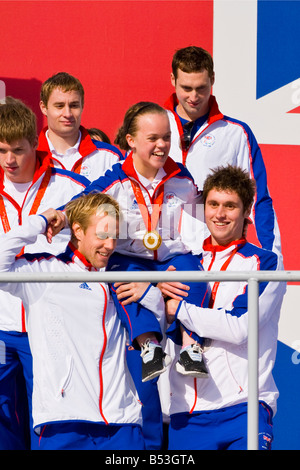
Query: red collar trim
x,y
86,145
170,167
80,256
207,245
214,112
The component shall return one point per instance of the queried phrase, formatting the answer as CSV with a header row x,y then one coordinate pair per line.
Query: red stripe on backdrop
x,y
283,167
120,50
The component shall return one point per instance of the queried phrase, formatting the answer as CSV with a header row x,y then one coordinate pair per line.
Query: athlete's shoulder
x,y
31,257
110,178
268,260
109,148
184,172
240,125
71,175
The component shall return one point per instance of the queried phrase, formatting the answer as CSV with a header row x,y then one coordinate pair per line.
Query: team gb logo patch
x,y
171,200
208,140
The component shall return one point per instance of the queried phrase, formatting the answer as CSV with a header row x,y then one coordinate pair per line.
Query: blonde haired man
x,y
83,394
28,183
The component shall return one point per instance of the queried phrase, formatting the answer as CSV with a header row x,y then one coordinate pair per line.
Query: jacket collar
x,y
76,257
214,112
86,145
170,167
236,244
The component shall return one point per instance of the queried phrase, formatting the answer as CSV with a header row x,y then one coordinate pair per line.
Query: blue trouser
x,y
223,429
15,391
90,436
149,397
137,319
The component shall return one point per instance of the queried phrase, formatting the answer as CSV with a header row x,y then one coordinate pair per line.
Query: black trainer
x,y
191,362
155,360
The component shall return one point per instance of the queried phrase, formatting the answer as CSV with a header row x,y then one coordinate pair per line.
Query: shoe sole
x,y
167,361
155,374
199,375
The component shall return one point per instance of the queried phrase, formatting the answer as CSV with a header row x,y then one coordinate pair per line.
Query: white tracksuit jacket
x,y
93,157
180,197
50,187
226,324
220,141
75,335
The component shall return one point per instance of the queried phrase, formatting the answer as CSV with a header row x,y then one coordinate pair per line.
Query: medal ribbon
x,y
33,210
35,205
150,221
217,283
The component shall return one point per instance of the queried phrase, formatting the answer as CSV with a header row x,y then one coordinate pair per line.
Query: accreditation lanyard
x,y
152,239
217,283
35,205
33,210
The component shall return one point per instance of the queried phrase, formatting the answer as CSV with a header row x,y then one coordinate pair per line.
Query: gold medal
x,y
152,240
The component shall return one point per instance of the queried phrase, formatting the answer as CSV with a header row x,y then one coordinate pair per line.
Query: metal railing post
x,y
253,312
252,278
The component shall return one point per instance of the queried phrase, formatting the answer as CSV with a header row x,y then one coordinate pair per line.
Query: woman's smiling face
x,y
151,143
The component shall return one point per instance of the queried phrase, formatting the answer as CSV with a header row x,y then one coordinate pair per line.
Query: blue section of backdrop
x,y
278,39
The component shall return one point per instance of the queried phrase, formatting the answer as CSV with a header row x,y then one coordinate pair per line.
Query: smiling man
x,y
211,414
28,183
202,137
68,142
83,395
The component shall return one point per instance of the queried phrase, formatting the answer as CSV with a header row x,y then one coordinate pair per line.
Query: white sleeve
x,y
231,325
11,243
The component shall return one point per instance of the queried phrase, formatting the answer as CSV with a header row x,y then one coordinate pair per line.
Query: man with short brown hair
x,y
202,137
64,138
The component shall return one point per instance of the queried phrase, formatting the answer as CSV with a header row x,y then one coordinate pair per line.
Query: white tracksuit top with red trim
x,y
92,157
76,338
180,199
226,325
220,141
50,187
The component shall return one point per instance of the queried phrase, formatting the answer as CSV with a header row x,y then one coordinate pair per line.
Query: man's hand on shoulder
x,y
56,221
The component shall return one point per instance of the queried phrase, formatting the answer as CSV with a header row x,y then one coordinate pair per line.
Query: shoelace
x,y
195,352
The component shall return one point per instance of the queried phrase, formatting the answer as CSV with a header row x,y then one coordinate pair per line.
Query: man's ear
x,y
77,231
43,108
36,142
248,212
173,79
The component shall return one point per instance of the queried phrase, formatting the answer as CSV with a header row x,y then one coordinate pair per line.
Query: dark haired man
x,y
203,138
212,413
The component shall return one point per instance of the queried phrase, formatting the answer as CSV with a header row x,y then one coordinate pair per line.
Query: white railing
x,y
252,277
